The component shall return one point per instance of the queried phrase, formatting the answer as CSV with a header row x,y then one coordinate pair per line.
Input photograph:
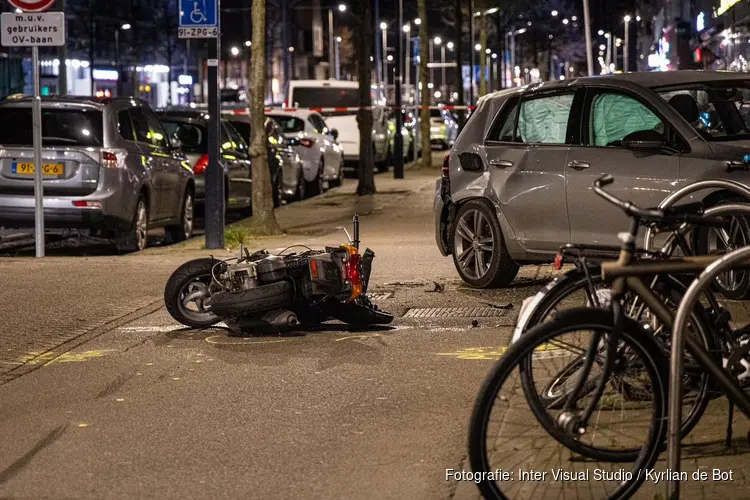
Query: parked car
x,y
315,142
406,132
110,168
280,150
192,131
343,94
518,183
443,128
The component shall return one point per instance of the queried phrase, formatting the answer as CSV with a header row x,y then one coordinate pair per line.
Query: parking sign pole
x,y
38,166
214,177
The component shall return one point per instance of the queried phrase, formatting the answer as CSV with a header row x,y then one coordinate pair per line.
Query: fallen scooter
x,y
265,293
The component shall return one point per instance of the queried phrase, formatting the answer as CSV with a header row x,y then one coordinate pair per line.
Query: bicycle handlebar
x,y
657,215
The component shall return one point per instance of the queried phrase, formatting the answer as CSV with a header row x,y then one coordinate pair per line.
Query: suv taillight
x,y
109,159
445,171
200,165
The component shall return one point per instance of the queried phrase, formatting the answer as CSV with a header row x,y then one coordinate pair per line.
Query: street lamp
x,y
601,32
248,43
449,45
384,30
338,59
123,27
331,45
407,28
417,21
435,41
554,13
565,21
625,52
235,51
512,35
478,47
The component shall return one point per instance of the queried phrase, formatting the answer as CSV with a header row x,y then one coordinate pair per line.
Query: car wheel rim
x,y
141,227
188,216
721,240
474,244
192,299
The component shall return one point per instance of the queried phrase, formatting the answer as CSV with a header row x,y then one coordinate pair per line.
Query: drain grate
x,y
379,295
455,312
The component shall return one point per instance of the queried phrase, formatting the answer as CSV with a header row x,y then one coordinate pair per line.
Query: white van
x,y
337,94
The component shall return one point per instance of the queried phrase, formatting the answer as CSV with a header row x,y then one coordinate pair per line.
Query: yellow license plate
x,y
29,169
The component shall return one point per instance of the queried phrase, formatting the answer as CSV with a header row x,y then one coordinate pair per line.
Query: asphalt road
x,y
146,409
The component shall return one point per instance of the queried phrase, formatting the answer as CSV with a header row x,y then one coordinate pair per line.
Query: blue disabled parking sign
x,y
198,19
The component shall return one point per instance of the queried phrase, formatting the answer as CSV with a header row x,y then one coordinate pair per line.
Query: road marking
x,y
240,341
48,358
168,328
491,353
369,336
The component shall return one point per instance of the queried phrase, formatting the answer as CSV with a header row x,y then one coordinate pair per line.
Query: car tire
x,y
301,193
336,181
184,230
277,188
735,285
135,238
479,252
316,186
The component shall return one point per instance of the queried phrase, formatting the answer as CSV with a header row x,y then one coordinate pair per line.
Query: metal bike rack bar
x,y
681,193
691,297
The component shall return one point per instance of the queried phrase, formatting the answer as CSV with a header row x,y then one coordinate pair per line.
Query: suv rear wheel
x,y
479,251
135,238
184,230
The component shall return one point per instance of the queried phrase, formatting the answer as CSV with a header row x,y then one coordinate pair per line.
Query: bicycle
x,y
626,345
710,324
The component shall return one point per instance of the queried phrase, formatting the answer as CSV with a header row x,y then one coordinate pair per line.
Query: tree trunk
x,y
366,183
264,218
424,114
459,61
482,54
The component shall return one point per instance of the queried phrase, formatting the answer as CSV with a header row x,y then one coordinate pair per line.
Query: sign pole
x,y
38,166
201,20
214,177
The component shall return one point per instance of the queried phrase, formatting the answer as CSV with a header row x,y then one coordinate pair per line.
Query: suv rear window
x,y
193,137
60,127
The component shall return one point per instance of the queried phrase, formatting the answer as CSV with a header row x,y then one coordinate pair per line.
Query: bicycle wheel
x,y
575,290
508,433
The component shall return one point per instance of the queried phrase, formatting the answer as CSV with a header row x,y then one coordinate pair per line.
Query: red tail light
x,y
200,165
314,269
109,159
558,261
351,271
308,143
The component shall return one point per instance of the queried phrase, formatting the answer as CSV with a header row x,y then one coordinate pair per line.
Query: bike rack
x,y
681,193
689,300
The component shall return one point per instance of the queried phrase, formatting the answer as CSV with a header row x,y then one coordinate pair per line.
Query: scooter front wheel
x,y
187,294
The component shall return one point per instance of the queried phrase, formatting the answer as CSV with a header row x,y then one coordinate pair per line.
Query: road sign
x,y
198,19
32,5
33,30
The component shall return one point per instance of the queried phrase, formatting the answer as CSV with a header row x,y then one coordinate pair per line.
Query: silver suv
x,y
109,168
518,182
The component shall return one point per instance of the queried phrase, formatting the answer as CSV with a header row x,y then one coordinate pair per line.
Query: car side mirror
x,y
636,145
334,134
644,140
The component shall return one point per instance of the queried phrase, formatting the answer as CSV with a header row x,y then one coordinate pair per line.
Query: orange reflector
x,y
314,269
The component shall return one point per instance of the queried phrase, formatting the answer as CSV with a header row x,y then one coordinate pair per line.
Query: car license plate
x,y
22,168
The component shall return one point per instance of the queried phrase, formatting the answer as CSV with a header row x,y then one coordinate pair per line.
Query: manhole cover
x,y
455,312
379,295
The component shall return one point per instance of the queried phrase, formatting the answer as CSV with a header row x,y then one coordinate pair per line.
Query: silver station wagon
x,y
109,168
518,182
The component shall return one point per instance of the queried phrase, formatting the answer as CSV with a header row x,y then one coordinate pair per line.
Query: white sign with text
x,y
33,29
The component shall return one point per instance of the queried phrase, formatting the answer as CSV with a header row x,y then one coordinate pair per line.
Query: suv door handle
x,y
501,163
578,165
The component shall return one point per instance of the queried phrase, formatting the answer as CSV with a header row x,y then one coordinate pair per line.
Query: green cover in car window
x,y
545,120
615,116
